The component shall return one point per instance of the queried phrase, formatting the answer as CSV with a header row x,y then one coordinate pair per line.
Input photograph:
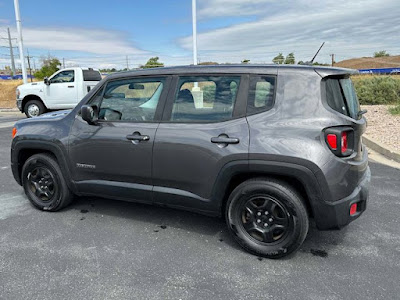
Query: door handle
x,y
138,137
71,86
222,139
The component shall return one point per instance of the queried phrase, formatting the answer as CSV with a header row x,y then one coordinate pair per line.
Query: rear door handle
x,y
224,140
138,137
71,86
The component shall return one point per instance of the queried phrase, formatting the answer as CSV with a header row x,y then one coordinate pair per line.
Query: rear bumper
x,y
336,215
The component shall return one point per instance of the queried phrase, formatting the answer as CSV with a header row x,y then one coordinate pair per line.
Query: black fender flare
x,y
46,146
307,173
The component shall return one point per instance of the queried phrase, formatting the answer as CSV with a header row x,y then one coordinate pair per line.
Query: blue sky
x,y
101,33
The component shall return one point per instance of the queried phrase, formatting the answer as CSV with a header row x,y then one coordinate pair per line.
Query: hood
x,y
51,116
31,85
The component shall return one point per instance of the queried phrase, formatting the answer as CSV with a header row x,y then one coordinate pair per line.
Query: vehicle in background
x,y
63,90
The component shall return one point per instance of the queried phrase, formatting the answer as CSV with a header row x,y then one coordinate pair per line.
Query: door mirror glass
x,y
89,114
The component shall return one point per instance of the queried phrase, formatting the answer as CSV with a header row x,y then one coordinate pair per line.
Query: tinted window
x,y
64,76
261,93
131,99
91,75
341,96
205,98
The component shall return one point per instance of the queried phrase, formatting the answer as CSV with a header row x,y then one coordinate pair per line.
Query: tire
x,y
44,183
267,217
34,108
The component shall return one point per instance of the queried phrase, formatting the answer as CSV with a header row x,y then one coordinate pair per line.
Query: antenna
x,y
311,62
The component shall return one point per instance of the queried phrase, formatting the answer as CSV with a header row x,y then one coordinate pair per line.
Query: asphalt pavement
x,y
107,249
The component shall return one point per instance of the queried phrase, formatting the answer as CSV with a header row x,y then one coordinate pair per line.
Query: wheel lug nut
x,y
270,219
258,221
265,224
259,214
266,212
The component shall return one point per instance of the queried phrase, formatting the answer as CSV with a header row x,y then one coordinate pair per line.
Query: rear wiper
x,y
361,112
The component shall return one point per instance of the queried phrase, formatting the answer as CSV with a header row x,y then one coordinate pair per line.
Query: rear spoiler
x,y
324,72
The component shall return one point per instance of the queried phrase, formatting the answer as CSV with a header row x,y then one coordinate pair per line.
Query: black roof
x,y
234,69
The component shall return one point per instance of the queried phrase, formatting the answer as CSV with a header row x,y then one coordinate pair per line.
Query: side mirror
x,y
46,81
89,114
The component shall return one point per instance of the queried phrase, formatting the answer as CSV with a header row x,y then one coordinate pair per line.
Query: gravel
x,y
382,126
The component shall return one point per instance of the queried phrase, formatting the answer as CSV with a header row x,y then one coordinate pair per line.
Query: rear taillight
x,y
340,140
353,209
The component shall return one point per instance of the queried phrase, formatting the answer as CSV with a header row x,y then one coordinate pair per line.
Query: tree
x,y
290,60
50,65
382,53
245,61
208,63
279,59
153,63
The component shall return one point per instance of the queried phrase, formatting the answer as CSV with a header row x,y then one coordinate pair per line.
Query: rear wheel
x,y
267,217
44,183
34,108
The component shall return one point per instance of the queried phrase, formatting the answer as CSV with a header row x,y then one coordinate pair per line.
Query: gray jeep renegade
x,y
266,147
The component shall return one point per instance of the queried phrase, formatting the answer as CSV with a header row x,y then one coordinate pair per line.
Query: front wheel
x,y
44,183
34,108
267,217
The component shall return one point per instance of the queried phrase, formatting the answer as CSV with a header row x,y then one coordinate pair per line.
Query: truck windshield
x,y
342,97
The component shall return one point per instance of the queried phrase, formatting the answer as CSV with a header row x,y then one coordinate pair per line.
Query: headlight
x,y
18,93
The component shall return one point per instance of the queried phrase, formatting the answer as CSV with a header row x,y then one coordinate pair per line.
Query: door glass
x,y
64,76
131,99
205,98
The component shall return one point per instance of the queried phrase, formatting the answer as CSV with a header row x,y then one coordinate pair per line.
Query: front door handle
x,y
222,139
71,86
136,136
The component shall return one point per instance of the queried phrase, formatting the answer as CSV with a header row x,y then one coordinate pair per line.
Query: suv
x,y
266,147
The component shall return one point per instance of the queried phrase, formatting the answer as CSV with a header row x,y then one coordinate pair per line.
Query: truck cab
x,y
62,90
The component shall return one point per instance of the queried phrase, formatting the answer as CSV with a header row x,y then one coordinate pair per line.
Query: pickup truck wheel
x,y
34,108
44,183
267,217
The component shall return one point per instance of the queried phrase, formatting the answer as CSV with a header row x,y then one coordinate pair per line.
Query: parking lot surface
x,y
106,249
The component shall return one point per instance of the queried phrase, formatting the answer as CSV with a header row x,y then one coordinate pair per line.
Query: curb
x,y
381,148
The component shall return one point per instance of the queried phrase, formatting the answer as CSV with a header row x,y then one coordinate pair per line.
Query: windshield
x,y
342,97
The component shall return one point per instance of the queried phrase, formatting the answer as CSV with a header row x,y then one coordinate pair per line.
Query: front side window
x,y
261,94
64,76
131,99
205,98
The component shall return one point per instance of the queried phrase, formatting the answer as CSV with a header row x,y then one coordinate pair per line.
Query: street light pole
x,y
194,16
20,42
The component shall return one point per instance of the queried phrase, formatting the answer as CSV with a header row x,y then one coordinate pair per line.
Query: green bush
x,y
378,90
395,110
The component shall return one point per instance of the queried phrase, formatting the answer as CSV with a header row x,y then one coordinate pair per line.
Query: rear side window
x,y
91,75
261,94
205,98
341,96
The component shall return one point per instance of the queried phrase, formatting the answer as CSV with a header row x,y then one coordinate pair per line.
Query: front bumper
x,y
336,215
19,104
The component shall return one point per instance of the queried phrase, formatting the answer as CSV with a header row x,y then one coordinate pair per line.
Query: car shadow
x,y
318,243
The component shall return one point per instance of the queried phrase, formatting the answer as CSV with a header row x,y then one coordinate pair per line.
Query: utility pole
x,y
20,41
127,63
63,63
11,52
29,65
333,59
194,19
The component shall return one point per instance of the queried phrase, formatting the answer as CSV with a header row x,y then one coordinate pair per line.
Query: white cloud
x,y
77,39
351,29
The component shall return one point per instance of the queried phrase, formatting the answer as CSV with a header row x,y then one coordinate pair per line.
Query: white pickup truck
x,y
62,90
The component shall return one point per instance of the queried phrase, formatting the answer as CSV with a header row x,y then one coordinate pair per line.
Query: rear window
x,y
91,75
341,96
